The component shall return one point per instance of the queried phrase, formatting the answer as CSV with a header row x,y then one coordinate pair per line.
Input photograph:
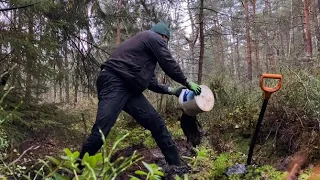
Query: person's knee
x,y
158,125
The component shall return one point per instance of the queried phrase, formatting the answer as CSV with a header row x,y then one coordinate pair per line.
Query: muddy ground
x,y
43,146
154,156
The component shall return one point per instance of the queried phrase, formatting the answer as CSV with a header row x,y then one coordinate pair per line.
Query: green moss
x,y
266,172
24,119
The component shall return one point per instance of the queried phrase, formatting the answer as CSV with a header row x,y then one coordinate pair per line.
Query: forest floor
x,y
39,147
153,155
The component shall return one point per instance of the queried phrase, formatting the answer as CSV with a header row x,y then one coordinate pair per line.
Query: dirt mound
x,y
153,156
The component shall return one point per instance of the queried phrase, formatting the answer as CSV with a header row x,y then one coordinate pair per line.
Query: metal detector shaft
x,y
256,132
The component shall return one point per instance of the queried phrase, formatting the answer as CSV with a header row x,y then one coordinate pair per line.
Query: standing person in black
x,y
123,78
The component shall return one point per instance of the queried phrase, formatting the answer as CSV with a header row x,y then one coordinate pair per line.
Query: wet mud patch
x,y
30,150
154,156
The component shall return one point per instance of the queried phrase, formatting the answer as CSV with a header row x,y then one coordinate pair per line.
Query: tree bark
x,y
307,28
60,74
269,52
76,88
256,38
238,57
66,70
192,41
76,91
221,47
249,59
16,74
201,43
316,25
30,60
118,26
75,77
191,18
291,31
54,86
60,88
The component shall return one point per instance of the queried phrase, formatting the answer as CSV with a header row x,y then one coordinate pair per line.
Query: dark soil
x,y
154,156
53,147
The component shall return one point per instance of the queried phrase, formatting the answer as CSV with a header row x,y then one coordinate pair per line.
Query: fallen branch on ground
x,y
23,153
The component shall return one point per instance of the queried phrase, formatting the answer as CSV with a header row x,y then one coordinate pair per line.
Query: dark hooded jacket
x,y
135,61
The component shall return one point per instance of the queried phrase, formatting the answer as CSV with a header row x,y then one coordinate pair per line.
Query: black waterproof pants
x,y
114,96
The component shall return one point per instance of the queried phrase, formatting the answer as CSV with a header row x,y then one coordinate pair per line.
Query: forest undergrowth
x,y
40,141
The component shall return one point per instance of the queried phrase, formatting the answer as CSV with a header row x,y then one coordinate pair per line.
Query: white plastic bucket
x,y
193,105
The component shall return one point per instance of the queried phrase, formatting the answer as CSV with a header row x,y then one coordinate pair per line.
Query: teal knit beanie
x,y
161,28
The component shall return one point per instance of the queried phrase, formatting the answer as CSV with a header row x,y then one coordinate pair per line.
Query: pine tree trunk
x,y
60,74
192,41
16,74
118,26
282,45
316,25
269,52
76,89
39,80
256,39
193,29
220,42
54,86
60,90
238,57
249,59
30,60
66,70
233,67
307,28
201,43
291,31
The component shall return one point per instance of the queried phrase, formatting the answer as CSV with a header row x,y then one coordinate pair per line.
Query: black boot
x,y
79,164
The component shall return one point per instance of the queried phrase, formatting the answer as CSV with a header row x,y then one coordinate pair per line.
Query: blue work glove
x,y
176,91
194,87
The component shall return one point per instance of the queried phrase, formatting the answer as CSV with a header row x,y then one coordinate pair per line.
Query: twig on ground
x,y
23,153
299,119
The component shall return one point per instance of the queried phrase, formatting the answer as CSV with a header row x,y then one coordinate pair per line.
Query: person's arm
x,y
158,88
159,48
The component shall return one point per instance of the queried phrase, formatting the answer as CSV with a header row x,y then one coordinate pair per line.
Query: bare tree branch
x,y
20,7
152,14
218,12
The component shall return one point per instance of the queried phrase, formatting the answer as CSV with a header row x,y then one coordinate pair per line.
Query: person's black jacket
x,y
136,58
